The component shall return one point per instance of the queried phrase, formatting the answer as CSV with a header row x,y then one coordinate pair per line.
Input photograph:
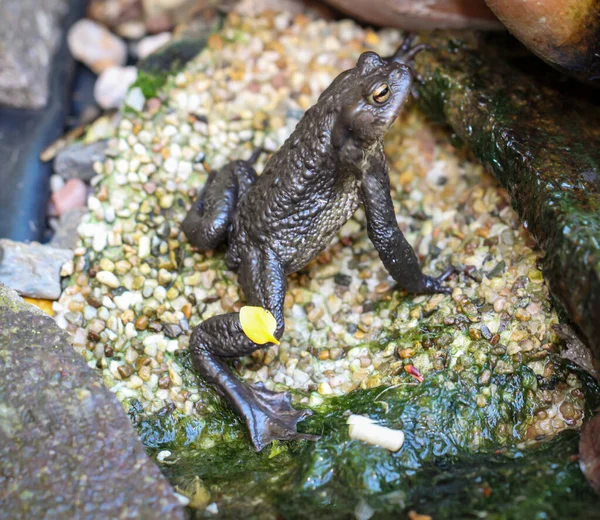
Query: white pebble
x,y
112,85
130,331
170,165
100,239
135,382
108,278
135,99
144,247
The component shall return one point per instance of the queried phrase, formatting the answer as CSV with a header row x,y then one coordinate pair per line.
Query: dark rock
x,y
172,331
30,34
68,450
541,139
589,452
77,160
32,269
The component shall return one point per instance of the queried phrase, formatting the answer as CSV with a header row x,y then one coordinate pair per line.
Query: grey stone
x,y
68,449
65,229
77,160
29,36
32,269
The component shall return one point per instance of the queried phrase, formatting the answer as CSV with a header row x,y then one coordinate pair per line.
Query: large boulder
x,y
67,447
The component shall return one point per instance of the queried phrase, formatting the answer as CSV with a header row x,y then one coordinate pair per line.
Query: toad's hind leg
x,y
268,415
207,223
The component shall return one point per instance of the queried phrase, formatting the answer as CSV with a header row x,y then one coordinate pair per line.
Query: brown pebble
x,y
144,373
323,355
215,41
522,315
141,323
142,361
335,353
484,377
102,194
125,371
164,382
76,306
474,333
382,287
94,302
127,316
108,351
567,410
406,353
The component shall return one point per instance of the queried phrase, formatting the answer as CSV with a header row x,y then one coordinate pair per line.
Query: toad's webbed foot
x,y
406,52
272,417
268,415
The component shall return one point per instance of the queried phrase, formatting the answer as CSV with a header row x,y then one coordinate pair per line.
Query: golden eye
x,y
381,94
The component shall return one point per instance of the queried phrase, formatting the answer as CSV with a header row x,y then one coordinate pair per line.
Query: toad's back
x,y
296,206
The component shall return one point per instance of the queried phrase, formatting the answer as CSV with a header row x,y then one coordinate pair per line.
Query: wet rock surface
x,y
589,452
541,140
30,33
68,450
32,269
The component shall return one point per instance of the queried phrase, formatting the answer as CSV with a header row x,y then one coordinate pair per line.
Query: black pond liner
x,y
24,178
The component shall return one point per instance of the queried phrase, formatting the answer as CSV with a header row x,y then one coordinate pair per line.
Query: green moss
x,y
460,457
150,84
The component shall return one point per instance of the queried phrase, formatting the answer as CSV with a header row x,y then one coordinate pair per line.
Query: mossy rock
x,y
541,139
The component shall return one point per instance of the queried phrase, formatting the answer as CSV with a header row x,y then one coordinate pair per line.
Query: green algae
x,y
542,141
460,459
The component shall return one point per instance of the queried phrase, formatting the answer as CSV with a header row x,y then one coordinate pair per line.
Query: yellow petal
x,y
45,305
258,324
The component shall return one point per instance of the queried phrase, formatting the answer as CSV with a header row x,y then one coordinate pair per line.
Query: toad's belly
x,y
307,233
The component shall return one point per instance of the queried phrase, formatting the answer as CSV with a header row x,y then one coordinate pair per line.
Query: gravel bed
x,y
136,288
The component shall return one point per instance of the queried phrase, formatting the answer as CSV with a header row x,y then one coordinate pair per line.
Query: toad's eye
x,y
381,94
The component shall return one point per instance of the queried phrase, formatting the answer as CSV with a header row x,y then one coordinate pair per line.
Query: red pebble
x,y
413,371
72,195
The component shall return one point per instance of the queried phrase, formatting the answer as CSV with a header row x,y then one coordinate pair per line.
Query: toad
x,y
276,223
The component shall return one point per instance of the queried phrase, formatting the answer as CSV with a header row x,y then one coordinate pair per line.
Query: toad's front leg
x,y
396,253
268,415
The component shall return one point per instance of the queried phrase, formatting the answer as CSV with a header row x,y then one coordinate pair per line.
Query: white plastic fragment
x,y
364,429
162,455
183,500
